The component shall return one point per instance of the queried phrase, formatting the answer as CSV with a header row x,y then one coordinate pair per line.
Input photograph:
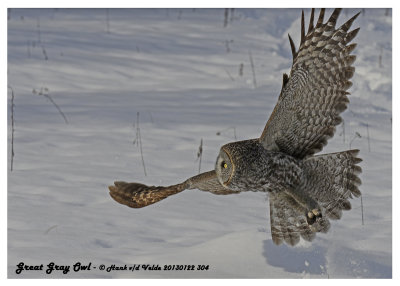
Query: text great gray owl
x,y
305,190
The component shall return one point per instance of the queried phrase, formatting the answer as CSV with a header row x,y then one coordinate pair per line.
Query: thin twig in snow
x,y
38,29
226,15
344,132
241,66
12,128
50,228
138,141
252,68
232,14
369,146
230,76
44,92
362,211
200,153
44,53
356,135
222,131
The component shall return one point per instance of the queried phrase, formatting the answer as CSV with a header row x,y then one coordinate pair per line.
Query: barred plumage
x,y
315,93
331,180
305,190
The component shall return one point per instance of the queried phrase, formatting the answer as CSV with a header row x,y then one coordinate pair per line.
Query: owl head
x,y
224,167
240,163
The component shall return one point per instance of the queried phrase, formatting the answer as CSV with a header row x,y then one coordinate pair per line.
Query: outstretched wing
x,y
289,221
315,93
137,195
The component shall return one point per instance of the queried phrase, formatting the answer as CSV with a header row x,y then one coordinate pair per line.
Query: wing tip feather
x,y
320,18
335,15
293,47
311,24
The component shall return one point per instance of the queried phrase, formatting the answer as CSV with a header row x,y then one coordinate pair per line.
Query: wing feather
x,y
315,93
137,195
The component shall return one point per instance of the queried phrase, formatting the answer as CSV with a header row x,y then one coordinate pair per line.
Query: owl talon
x,y
313,215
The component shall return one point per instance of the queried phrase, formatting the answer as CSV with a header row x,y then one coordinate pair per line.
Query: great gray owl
x,y
305,190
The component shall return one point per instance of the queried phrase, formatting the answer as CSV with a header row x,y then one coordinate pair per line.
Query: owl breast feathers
x,y
305,190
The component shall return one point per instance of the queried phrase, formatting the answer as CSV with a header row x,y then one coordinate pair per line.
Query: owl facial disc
x,y
224,168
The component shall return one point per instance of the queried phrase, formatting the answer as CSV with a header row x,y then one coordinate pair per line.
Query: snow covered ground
x,y
180,70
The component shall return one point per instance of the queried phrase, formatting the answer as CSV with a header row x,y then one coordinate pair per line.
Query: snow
x,y
179,69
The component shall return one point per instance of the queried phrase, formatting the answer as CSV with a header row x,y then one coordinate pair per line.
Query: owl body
x,y
248,166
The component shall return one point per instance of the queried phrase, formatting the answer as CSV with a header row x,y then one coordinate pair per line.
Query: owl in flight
x,y
305,190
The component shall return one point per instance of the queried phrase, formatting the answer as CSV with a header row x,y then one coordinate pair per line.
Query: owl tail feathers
x,y
137,195
333,179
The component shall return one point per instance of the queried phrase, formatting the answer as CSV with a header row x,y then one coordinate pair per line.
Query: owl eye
x,y
224,165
